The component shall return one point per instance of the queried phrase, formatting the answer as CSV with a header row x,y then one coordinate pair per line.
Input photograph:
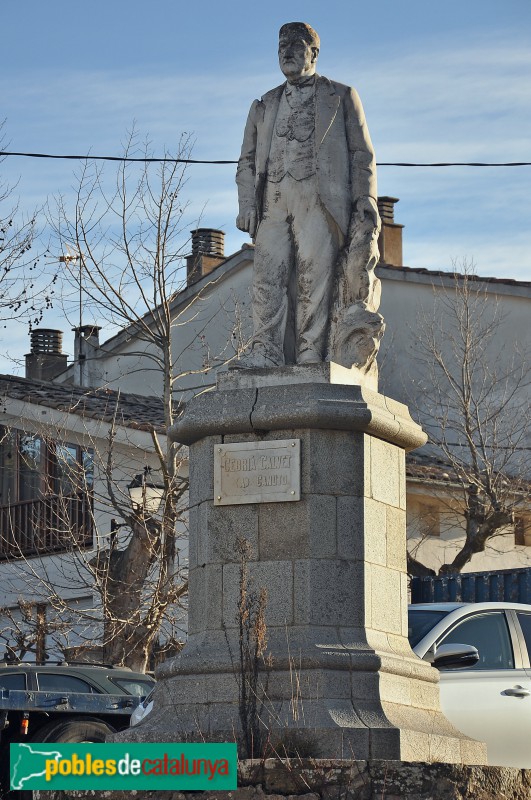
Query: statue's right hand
x,y
246,221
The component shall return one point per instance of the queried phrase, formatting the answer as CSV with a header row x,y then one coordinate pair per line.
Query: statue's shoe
x,y
309,357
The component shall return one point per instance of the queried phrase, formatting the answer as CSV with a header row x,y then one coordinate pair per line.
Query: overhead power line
x,y
117,158
457,164
147,160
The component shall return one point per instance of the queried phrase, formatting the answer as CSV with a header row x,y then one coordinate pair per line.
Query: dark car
x,y
78,678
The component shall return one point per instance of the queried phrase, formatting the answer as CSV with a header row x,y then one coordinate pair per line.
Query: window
x,y
136,687
522,531
55,682
420,622
423,518
490,634
29,466
67,475
14,680
46,492
525,624
8,466
430,517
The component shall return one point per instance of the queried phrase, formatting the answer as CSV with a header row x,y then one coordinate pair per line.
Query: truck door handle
x,y
517,691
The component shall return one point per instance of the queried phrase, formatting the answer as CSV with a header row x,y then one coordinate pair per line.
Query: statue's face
x,y
296,57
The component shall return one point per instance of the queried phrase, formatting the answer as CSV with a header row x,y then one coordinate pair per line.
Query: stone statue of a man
x,y
307,195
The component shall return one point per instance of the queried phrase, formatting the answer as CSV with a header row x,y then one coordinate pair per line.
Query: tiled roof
x,y
428,468
451,274
130,410
426,271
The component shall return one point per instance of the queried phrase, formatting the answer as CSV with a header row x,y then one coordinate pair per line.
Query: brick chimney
x,y
390,239
208,252
46,359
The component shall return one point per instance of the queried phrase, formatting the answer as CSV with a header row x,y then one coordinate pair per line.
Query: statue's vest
x,y
293,141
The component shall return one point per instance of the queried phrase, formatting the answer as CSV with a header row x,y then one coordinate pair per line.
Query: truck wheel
x,y
77,730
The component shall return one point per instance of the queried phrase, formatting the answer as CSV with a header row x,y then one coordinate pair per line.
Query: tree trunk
x,y
479,531
126,640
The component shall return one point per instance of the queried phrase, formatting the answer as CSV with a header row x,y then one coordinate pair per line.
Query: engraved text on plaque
x,y
257,472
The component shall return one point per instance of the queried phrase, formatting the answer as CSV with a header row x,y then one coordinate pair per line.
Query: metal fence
x,y
508,585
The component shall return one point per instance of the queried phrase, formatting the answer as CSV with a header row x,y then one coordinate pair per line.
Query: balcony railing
x,y
53,523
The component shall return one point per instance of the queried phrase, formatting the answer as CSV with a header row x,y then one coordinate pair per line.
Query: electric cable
x,y
148,160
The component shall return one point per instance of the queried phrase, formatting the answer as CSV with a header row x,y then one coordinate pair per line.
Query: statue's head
x,y
298,48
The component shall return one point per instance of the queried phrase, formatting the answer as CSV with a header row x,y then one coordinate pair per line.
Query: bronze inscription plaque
x,y
257,472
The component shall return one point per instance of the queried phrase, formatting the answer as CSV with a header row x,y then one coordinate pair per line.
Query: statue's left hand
x,y
367,207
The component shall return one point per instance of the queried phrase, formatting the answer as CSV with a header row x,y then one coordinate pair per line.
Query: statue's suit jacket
x,y
345,162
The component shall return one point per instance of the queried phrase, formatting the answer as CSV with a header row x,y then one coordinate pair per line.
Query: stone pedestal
x,y
343,681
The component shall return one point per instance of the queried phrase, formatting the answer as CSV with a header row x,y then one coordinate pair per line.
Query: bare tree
x,y
124,262
141,581
26,291
472,385
24,630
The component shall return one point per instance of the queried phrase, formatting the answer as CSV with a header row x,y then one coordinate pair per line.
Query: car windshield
x,y
135,686
420,621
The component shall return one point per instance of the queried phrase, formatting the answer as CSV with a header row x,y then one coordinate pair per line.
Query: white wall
x,y
209,319
406,295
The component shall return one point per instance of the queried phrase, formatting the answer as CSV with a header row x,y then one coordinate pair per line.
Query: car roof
x,y
96,669
436,606
480,606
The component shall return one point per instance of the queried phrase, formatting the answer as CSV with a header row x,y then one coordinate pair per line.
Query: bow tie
x,y
298,88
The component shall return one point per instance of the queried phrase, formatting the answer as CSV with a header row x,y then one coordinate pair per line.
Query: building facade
x,y
68,457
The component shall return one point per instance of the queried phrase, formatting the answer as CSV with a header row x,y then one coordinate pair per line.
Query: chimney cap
x,y
46,340
386,207
208,242
91,330
46,359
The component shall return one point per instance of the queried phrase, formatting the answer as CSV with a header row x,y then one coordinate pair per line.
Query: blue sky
x,y
439,82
